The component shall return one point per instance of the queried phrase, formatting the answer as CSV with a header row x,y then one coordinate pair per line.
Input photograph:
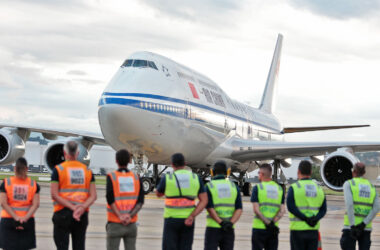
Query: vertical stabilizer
x,y
268,100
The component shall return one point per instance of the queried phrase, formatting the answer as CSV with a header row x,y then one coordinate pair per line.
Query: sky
x,y
57,56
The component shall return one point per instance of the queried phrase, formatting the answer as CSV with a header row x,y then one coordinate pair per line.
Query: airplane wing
x,y
92,137
288,130
244,150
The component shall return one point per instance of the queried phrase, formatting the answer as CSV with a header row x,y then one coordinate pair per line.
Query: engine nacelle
x,y
12,146
54,154
337,168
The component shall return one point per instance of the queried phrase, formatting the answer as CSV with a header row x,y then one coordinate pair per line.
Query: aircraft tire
x,y
247,188
147,185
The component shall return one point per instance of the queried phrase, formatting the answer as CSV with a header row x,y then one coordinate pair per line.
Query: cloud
x,y
76,72
207,12
340,9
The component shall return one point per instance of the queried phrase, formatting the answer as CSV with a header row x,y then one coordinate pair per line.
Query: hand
x,y
125,219
357,231
79,210
23,220
17,218
311,221
354,233
189,221
272,229
361,227
226,225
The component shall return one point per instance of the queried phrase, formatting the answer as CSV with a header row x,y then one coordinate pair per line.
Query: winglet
x,y
268,100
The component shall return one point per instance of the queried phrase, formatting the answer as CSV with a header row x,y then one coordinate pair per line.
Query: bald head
x,y
359,170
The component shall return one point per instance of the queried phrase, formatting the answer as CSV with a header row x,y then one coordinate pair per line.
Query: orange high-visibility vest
x,y
74,183
20,193
126,189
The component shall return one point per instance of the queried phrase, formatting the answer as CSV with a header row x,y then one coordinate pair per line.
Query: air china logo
x,y
193,90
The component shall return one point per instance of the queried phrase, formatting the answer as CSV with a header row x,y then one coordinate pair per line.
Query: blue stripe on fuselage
x,y
176,100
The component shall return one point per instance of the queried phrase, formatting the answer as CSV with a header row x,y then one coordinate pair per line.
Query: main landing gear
x,y
151,179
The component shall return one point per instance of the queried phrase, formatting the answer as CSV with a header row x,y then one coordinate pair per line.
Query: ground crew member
x,y
180,188
125,197
73,191
19,197
306,205
362,205
224,209
268,206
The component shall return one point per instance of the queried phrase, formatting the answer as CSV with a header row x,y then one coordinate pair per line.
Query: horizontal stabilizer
x,y
308,129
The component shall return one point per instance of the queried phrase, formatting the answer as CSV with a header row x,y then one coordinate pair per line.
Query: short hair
x,y
267,167
178,160
305,167
123,157
21,165
71,148
220,167
359,169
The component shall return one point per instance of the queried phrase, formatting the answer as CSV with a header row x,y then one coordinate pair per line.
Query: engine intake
x,y
12,146
337,168
54,155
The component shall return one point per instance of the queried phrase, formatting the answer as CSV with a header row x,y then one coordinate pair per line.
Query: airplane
x,y
155,107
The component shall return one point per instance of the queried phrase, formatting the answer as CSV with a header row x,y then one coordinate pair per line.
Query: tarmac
x,y
150,224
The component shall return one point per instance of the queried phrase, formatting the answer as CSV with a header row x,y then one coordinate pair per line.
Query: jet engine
x,y
337,168
54,154
12,146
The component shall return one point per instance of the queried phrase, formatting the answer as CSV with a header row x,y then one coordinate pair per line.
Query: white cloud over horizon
x,y
56,57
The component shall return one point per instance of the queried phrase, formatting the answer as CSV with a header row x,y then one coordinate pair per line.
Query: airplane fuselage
x,y
157,107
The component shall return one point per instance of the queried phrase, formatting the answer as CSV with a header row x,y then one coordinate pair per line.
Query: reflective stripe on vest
x,y
74,183
308,197
224,194
126,189
269,196
20,194
177,206
363,196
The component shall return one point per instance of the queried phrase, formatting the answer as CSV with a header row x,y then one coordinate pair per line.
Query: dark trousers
x,y
13,239
304,240
177,236
349,243
262,239
64,225
216,237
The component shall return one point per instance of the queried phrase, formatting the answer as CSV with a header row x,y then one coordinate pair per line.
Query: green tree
x,y
316,174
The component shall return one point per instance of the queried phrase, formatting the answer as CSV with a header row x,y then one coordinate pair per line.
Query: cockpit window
x,y
152,65
127,63
139,64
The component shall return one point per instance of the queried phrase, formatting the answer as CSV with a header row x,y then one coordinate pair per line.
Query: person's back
x,y
125,197
307,206
73,191
74,183
362,205
180,189
20,199
268,205
223,209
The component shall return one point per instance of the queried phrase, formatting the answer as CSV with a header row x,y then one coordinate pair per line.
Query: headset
x,y
212,171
